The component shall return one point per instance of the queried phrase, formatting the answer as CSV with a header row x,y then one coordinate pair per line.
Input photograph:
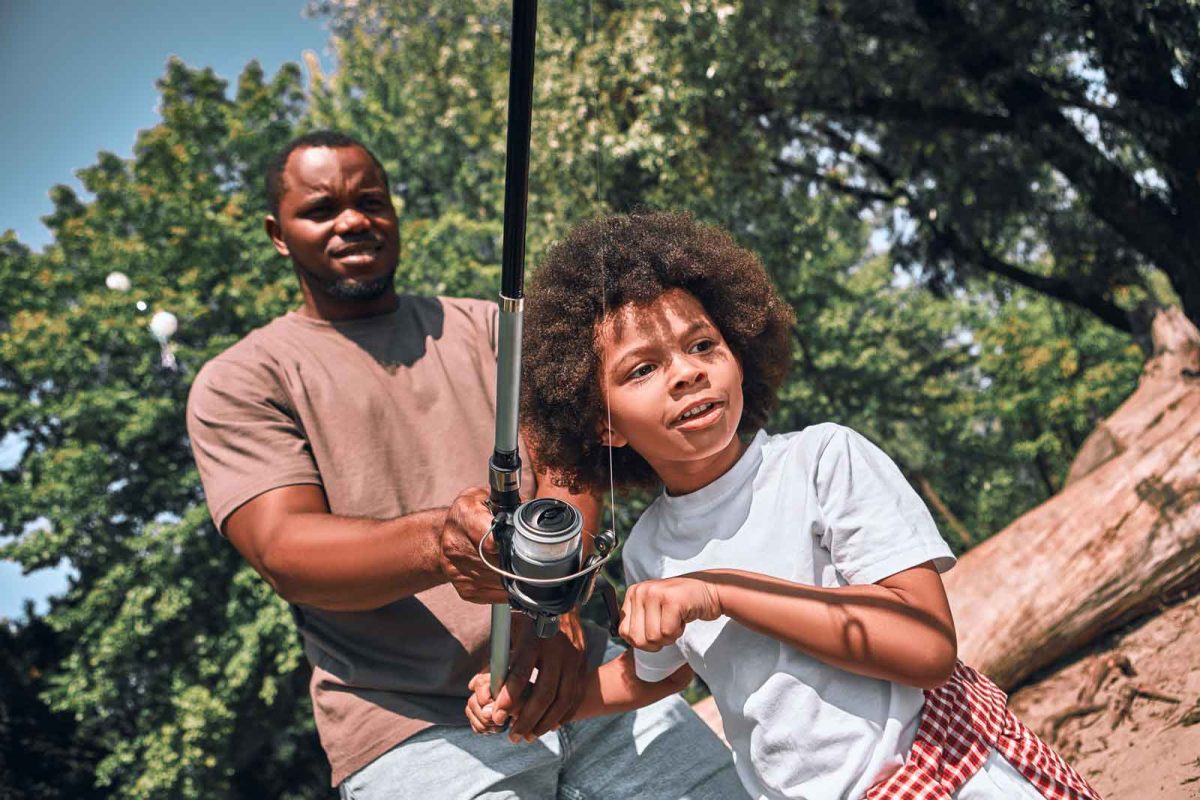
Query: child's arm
x,y
899,629
611,689
615,687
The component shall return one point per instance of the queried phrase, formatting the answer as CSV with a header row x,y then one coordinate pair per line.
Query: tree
x,y
173,657
41,753
179,664
1049,144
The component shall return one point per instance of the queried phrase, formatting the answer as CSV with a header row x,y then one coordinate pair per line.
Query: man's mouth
x,y
358,249
697,412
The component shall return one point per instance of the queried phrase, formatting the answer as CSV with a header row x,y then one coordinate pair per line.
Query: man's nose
x,y
351,221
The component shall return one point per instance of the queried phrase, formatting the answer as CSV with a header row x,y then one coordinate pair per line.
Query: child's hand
x,y
655,612
479,705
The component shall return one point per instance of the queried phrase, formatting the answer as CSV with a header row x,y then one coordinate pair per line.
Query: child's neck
x,y
685,477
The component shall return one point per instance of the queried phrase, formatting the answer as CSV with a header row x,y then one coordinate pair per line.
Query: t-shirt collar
x,y
361,323
704,500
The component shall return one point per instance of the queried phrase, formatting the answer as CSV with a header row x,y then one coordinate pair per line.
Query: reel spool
x,y
541,564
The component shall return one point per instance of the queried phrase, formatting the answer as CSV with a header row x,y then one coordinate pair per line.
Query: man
x,y
336,446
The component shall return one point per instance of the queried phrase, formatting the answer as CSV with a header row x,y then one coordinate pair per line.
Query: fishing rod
x,y
542,561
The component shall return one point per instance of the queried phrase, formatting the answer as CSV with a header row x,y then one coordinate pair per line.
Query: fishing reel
x,y
542,565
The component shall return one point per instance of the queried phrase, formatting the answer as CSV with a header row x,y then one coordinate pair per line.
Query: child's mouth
x,y
698,416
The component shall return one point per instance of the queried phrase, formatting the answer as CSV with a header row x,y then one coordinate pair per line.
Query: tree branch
x,y
973,252
910,109
860,192
1113,195
1064,290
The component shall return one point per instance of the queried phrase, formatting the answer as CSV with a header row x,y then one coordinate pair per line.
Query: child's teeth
x,y
697,410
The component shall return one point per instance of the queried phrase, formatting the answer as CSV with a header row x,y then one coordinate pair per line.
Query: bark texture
x,y
1122,535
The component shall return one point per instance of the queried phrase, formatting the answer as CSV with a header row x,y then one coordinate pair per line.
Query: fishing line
x,y
598,205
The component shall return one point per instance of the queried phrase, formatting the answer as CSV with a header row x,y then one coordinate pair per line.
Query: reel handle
x,y
609,594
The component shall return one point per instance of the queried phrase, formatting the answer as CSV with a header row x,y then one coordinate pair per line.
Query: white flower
x,y
118,282
163,325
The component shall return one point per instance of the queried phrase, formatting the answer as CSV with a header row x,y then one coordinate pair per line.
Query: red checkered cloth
x,y
963,720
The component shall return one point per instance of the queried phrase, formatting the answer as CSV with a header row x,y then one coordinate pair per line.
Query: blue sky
x,y
77,78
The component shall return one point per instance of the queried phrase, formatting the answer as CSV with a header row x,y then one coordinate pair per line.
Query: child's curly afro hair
x,y
604,264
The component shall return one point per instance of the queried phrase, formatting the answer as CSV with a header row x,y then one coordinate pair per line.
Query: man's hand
x,y
549,701
655,612
466,523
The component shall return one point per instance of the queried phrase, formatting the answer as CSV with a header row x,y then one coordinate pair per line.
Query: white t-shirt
x,y
822,507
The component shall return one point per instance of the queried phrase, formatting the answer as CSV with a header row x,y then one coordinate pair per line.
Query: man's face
x,y
674,389
337,224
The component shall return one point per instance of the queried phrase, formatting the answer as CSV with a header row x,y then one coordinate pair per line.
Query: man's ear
x,y
275,231
610,437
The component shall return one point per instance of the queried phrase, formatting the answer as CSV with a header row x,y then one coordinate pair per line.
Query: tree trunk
x,y
1123,534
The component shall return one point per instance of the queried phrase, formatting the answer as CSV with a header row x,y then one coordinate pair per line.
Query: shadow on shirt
x,y
417,319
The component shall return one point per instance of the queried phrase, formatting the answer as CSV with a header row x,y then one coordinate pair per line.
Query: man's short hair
x,y
273,184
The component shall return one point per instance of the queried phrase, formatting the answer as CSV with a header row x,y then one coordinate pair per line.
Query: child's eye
x,y
641,371
703,346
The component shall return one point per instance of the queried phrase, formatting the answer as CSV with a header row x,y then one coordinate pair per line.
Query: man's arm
x,y
316,558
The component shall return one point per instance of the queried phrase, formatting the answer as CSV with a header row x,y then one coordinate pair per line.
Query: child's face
x,y
674,389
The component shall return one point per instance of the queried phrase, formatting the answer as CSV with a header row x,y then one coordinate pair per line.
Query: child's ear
x,y
611,438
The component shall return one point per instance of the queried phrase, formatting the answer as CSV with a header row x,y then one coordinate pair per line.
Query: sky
x,y
79,77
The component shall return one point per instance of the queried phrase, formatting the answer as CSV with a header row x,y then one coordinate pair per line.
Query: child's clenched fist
x,y
655,612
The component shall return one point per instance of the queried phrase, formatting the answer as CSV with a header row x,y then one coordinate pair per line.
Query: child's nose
x,y
688,373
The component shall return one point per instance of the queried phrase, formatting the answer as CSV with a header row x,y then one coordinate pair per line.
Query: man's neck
x,y
318,305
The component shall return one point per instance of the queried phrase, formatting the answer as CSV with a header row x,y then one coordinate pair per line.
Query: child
x,y
797,574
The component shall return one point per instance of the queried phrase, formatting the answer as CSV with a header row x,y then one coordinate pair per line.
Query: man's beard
x,y
350,290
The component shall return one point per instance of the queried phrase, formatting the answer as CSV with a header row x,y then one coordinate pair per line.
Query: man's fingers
x,y
466,524
540,698
475,593
510,700
565,700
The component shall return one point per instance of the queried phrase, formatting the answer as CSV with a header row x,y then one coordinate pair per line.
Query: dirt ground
x,y
1126,714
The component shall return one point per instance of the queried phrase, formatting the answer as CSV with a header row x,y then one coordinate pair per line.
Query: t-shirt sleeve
x,y
875,524
485,318
652,667
244,437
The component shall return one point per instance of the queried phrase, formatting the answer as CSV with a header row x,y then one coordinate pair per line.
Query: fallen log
x,y
1122,535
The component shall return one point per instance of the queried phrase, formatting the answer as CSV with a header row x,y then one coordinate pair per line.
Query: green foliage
x,y
41,753
1051,144
171,658
178,664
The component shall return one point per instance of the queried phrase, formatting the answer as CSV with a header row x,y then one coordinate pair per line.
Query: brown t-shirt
x,y
390,415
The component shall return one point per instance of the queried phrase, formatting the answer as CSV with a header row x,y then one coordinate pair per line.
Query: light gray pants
x,y
660,752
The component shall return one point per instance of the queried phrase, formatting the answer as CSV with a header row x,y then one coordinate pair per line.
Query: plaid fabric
x,y
962,722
